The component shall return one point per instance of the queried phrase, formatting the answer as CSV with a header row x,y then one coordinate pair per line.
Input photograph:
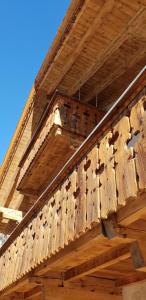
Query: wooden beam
x,y
63,293
10,214
19,287
134,210
102,261
130,278
37,291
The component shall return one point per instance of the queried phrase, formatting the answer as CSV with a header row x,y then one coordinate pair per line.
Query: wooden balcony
x,y
64,231
64,126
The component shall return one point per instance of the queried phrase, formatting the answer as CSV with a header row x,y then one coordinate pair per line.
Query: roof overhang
x,y
98,49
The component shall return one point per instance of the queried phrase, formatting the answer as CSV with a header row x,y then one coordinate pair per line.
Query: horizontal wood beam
x,y
130,278
10,214
64,293
135,209
102,261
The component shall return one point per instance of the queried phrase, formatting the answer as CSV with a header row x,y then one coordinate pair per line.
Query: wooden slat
x,y
101,262
138,124
125,165
93,197
107,177
80,218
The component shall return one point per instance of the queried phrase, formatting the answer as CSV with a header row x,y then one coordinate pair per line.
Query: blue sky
x,y
27,29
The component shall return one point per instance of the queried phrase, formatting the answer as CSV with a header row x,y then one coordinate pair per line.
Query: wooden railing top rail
x,y
129,94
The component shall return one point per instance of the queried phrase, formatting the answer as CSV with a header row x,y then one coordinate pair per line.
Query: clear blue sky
x,y
27,29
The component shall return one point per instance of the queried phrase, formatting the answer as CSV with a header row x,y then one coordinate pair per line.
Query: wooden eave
x,y
103,43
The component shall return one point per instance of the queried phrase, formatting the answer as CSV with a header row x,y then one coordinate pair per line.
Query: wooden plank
x,y
80,217
138,124
134,210
62,234
125,165
93,198
71,211
106,173
102,261
78,293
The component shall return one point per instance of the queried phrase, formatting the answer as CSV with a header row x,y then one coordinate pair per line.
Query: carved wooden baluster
x,y
16,257
85,117
106,174
53,226
80,195
63,216
138,141
6,266
93,197
36,240
67,187
48,229
71,207
41,236
21,249
125,166
56,222
64,113
3,270
25,255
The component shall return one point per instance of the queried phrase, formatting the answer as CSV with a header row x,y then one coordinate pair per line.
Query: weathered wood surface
x,y
102,182
66,124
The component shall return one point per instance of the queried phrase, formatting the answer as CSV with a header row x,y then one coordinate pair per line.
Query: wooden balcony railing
x,y
107,170
64,126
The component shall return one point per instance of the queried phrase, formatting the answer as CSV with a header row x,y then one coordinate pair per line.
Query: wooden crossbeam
x,y
10,214
134,210
63,293
103,261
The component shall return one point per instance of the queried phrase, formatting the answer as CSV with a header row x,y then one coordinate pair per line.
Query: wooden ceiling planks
x,y
105,40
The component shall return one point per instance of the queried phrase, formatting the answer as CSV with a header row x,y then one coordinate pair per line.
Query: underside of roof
x,y
99,48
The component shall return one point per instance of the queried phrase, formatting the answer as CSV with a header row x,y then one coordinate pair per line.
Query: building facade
x,y
73,181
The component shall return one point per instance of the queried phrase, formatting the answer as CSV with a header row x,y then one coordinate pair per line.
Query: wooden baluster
x,y
56,221
93,199
37,239
67,187
26,249
106,174
18,256
80,195
63,216
52,225
6,263
138,140
47,229
125,166
72,201
20,261
41,234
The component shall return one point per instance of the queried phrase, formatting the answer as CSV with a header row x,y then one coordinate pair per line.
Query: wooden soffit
x,y
98,42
